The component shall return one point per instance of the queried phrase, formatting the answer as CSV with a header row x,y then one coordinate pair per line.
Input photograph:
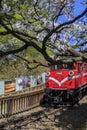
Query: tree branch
x,y
63,24
33,62
2,53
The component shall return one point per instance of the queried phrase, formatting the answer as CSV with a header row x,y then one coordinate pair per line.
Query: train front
x,y
60,83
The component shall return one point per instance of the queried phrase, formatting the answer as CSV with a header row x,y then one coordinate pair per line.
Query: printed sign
x,y
9,86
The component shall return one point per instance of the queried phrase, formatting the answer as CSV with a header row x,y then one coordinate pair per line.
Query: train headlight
x,y
71,73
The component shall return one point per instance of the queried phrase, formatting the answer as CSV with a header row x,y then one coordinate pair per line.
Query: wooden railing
x,y
20,101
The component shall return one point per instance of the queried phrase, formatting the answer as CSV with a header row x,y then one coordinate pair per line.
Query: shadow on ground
x,y
72,119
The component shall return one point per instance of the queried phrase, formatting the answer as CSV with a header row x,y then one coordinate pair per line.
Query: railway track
x,y
19,122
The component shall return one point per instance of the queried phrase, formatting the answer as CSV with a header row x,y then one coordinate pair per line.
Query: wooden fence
x,y
20,101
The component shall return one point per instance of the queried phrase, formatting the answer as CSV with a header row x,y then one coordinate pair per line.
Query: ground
x,y
74,118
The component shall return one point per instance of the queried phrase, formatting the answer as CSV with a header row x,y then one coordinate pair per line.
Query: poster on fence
x,y
9,86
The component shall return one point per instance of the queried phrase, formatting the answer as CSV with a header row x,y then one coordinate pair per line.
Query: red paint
x,y
67,76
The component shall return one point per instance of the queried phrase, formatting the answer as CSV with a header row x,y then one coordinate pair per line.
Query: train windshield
x,y
63,66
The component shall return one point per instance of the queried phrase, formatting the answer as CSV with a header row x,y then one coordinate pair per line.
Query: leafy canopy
x,y
49,26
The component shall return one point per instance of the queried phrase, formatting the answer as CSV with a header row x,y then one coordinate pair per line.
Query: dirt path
x,y
65,119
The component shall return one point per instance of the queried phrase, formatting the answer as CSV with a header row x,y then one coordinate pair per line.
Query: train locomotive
x,y
66,83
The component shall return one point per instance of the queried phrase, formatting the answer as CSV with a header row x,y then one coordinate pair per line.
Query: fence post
x,y
9,107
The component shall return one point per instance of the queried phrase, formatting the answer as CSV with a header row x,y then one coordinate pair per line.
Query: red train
x,y
66,83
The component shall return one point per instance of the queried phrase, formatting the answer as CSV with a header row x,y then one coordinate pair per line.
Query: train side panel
x,y
81,76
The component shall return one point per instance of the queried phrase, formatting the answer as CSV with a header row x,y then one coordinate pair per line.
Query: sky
x,y
79,7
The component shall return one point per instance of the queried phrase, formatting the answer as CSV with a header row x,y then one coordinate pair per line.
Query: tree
x,y
38,24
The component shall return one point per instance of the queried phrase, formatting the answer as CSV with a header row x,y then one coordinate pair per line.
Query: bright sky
x,y
79,7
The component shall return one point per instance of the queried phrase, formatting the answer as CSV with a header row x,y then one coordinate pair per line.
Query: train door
x,y
84,73
80,73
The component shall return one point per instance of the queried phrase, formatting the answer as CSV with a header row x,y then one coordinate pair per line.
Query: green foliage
x,y
11,69
32,29
2,29
18,16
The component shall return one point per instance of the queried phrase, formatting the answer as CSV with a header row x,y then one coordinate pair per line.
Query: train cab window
x,y
63,66
54,67
59,66
79,68
69,66
85,66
